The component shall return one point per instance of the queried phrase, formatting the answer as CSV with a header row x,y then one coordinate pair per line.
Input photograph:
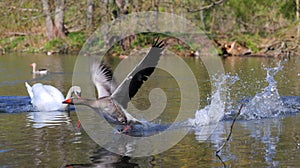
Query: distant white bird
x,y
49,98
39,71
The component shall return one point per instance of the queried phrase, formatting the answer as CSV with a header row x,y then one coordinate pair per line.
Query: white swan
x,y
39,71
49,98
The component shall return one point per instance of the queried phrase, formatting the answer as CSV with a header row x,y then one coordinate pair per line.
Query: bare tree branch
x,y
20,9
228,137
89,13
214,3
231,128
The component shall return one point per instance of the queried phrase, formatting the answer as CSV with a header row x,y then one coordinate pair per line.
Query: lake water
x,y
51,139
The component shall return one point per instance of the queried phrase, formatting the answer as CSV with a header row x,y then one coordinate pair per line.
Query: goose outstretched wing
x,y
102,77
134,80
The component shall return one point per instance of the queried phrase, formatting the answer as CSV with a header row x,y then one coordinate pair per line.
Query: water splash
x,y
15,104
207,119
268,102
211,113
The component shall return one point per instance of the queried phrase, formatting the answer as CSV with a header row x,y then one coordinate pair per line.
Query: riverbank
x,y
282,44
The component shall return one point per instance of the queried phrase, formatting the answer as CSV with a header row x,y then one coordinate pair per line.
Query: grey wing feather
x,y
134,80
102,78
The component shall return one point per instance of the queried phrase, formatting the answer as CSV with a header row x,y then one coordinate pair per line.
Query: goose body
x,y
38,71
107,108
49,98
112,100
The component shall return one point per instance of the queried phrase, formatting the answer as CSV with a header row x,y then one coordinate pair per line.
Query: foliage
x,y
76,39
178,47
286,9
251,41
11,42
54,44
245,20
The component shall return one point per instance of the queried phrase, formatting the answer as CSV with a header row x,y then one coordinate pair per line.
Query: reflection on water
x,y
268,134
257,140
47,119
50,139
104,158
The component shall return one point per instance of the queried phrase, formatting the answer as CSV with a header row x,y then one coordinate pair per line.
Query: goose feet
x,y
126,129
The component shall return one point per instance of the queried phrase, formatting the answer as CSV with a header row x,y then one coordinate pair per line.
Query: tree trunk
x,y
297,10
202,17
105,18
297,17
119,4
136,5
212,21
89,13
122,7
154,5
59,17
49,24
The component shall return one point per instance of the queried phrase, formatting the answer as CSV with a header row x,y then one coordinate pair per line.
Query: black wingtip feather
x,y
99,68
140,74
106,71
158,44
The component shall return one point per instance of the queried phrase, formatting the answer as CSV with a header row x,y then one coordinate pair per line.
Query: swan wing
x,y
57,97
102,78
55,93
134,80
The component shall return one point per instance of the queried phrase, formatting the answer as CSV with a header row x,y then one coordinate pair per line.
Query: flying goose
x,y
112,101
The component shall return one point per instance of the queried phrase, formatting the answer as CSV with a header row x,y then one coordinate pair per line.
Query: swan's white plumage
x,y
29,90
46,97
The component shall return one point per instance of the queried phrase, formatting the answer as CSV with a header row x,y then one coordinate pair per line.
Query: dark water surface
x,y
51,139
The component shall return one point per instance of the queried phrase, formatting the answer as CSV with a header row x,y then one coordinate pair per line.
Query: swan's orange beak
x,y
30,64
68,101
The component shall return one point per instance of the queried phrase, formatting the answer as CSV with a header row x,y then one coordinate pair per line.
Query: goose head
x,y
76,90
33,65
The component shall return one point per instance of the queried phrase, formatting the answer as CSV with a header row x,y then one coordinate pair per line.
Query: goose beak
x,y
68,101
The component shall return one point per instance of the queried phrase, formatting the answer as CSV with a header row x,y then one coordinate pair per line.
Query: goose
x,y
39,71
112,101
49,98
